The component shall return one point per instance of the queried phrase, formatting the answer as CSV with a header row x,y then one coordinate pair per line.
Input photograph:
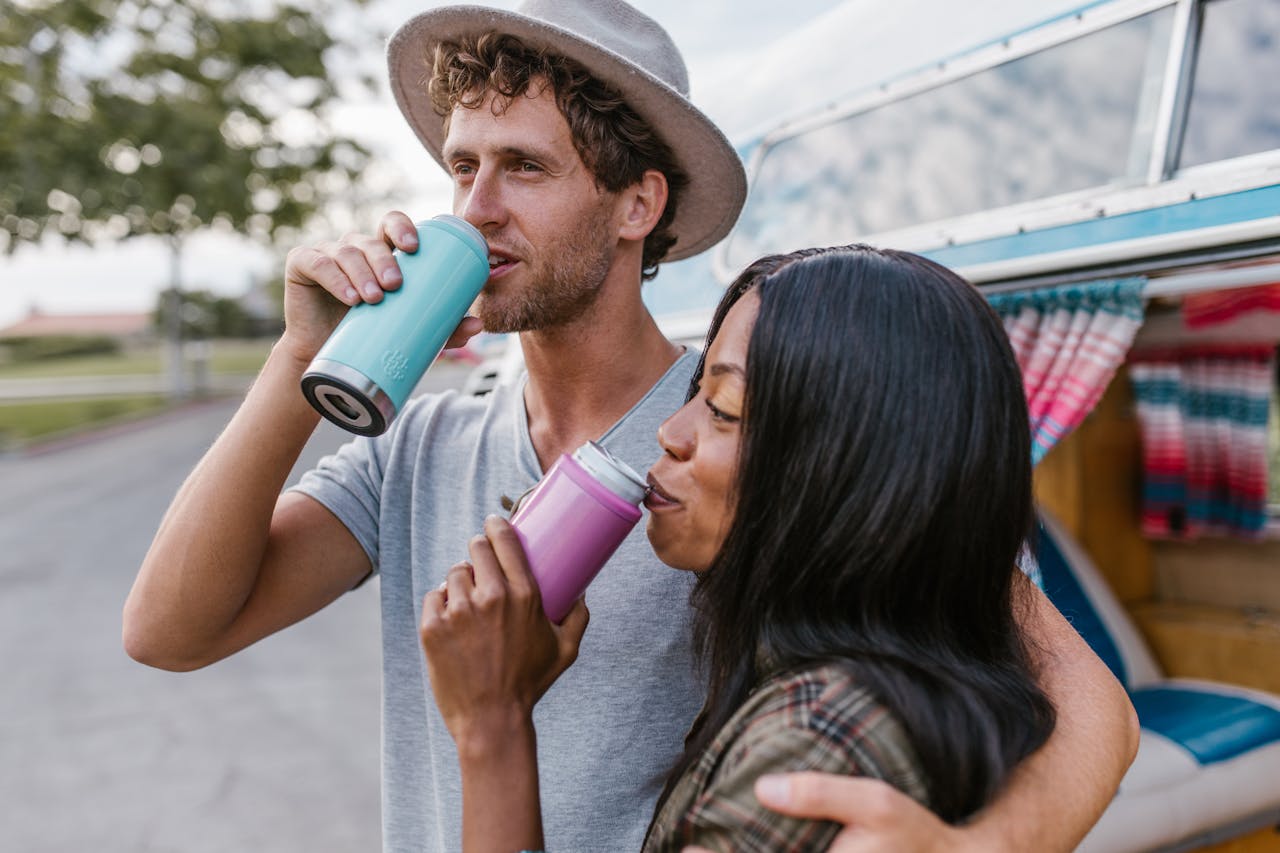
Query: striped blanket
x,y
1203,416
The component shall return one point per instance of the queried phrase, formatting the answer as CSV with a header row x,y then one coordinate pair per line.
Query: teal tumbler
x,y
364,373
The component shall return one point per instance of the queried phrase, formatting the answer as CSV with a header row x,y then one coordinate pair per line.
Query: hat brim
x,y
717,186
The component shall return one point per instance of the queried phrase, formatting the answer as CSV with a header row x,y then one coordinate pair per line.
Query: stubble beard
x,y
561,286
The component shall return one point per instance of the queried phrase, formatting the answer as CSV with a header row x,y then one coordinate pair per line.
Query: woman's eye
x,y
719,415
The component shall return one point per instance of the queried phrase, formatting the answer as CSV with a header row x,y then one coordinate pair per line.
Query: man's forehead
x,y
527,123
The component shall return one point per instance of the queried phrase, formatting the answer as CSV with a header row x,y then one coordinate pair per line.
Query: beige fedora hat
x,y
621,47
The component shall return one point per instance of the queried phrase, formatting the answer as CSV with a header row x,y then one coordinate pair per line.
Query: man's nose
x,y
481,203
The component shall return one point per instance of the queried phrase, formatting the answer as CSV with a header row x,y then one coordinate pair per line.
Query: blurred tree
x,y
207,315
121,118
129,117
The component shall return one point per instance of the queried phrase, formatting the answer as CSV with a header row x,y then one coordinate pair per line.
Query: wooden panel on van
x,y
1218,643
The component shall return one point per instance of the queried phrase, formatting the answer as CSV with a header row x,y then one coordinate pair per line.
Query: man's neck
x,y
585,375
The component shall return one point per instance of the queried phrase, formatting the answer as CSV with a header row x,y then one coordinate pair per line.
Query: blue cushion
x,y
1069,597
1211,726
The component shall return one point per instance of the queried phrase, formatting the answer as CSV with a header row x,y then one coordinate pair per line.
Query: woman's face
x,y
692,503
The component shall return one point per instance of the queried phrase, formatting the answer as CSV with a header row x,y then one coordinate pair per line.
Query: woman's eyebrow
x,y
720,368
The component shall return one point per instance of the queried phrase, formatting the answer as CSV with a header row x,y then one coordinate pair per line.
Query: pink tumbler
x,y
573,521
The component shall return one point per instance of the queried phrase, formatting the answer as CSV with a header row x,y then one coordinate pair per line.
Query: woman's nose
x,y
675,436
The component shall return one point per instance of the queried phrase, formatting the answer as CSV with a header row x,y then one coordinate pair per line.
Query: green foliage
x,y
45,347
159,117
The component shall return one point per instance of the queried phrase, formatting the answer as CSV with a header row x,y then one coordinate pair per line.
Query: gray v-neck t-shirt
x,y
615,722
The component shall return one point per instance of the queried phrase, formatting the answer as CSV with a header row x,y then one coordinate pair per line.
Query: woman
x,y
851,479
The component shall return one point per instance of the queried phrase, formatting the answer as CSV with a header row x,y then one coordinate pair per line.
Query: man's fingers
x,y
359,267
844,799
310,266
398,231
467,329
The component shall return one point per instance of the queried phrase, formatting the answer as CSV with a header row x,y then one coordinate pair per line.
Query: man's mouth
x,y
499,262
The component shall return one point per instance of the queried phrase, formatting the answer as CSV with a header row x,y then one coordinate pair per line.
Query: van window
x,y
1235,95
1073,116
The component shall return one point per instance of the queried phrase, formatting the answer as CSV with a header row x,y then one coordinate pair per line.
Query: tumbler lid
x,y
614,474
463,230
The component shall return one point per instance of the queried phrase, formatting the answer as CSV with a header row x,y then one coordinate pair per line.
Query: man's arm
x,y
1053,798
234,560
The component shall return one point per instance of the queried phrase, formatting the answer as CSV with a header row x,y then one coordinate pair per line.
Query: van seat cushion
x,y
1064,590
1211,726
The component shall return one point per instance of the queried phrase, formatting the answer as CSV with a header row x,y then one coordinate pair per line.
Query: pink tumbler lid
x,y
611,472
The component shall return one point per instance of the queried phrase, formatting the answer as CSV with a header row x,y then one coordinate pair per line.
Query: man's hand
x,y
877,817
322,282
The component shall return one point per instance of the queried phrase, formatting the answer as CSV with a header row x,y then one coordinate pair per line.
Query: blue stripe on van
x,y
1227,209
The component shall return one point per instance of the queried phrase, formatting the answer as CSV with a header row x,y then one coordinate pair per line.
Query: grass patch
x,y
22,423
226,356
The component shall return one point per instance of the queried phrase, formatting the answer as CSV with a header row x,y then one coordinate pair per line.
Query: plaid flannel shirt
x,y
817,719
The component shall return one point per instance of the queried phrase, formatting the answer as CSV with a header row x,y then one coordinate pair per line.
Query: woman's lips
x,y
658,498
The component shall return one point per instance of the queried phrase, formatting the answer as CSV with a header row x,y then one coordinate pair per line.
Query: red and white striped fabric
x,y
1200,310
1069,341
1203,416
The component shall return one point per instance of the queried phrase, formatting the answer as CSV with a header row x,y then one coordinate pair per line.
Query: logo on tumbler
x,y
395,364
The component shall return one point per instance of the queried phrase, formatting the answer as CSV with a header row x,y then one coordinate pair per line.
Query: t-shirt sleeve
x,y
349,484
778,739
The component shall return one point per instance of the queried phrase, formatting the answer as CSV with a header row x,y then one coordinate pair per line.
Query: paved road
x,y
275,749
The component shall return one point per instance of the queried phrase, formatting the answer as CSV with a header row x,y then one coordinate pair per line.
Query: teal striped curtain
x,y
1203,413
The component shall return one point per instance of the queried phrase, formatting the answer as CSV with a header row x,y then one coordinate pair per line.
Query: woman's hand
x,y
491,651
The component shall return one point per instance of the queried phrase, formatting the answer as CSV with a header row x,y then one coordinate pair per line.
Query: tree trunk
x,y
175,361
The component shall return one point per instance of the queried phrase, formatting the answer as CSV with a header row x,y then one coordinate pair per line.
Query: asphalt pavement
x,y
274,749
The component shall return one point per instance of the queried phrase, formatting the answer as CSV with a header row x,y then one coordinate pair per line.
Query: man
x,y
575,151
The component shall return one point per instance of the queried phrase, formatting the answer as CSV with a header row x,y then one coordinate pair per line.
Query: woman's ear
x,y
641,205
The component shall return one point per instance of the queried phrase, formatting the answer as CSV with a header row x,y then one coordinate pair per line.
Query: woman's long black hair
x,y
883,494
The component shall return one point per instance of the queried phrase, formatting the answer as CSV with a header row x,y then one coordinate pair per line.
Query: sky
x,y
751,63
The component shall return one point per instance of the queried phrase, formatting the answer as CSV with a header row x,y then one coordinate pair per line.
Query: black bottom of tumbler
x,y
344,404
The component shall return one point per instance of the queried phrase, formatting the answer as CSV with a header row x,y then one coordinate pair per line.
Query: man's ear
x,y
641,205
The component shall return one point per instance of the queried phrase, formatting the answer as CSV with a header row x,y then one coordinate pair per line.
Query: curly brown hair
x,y
616,145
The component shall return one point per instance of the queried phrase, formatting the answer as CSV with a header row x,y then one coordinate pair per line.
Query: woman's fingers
x,y
458,587
510,554
490,583
569,632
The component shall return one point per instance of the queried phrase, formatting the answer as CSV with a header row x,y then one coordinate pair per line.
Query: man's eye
x,y
530,167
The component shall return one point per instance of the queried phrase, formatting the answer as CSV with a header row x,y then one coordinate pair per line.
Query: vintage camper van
x,y
1111,178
